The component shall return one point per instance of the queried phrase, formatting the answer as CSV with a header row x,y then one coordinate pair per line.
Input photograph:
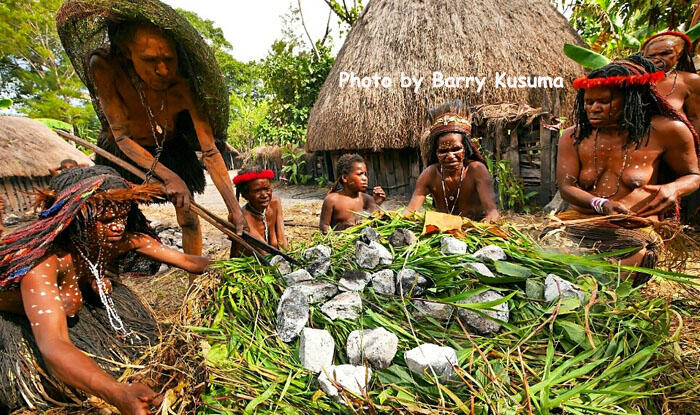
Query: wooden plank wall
x,y
17,191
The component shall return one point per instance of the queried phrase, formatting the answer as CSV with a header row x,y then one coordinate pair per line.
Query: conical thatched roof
x,y
455,37
29,148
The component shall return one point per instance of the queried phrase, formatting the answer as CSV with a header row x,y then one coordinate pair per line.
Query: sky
x,y
251,26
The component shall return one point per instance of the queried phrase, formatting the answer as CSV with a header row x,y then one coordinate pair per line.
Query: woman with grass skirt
x,y
456,176
608,164
55,268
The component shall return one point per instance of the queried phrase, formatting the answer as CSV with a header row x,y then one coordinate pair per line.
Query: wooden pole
x,y
218,223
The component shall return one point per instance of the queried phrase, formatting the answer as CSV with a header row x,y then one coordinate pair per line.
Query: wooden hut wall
x,y
17,190
395,170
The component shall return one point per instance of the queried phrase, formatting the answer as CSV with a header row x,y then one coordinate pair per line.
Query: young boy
x,y
263,212
341,204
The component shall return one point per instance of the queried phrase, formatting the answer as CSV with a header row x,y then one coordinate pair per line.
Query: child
x,y
340,205
65,165
91,221
263,212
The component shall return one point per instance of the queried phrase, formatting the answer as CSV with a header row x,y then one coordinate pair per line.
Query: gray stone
x,y
480,268
369,234
318,251
384,282
354,280
408,280
556,205
316,349
551,290
297,277
316,291
292,314
346,305
372,255
492,252
319,266
482,324
452,246
352,379
402,237
440,358
283,266
438,311
163,268
377,346
534,289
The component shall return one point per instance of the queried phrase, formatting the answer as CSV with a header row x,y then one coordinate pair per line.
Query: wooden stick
x,y
218,223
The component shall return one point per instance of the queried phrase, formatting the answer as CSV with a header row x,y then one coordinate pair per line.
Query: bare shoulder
x,y
276,203
331,199
479,169
666,126
568,135
691,79
103,65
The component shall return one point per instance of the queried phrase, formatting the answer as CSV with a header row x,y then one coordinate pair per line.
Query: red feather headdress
x,y
686,39
619,80
253,175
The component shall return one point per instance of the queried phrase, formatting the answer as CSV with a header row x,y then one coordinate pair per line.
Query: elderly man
x,y
670,52
146,101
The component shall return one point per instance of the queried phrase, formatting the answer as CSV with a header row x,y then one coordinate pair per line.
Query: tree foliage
x,y
35,71
618,27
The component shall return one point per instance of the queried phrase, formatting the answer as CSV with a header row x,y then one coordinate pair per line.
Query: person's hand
x,y
664,197
491,217
378,195
136,399
239,222
178,193
612,207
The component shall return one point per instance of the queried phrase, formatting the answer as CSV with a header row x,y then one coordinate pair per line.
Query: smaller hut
x,y
28,149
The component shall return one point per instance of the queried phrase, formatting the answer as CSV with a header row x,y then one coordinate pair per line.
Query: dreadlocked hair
x,y
242,188
640,104
456,106
344,166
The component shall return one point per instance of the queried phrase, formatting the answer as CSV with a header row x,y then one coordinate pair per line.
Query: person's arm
x,y
568,169
368,203
217,168
44,309
150,247
117,116
324,224
421,191
54,171
680,155
279,224
484,188
691,106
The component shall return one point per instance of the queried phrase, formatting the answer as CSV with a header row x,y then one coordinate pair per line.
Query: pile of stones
x,y
375,349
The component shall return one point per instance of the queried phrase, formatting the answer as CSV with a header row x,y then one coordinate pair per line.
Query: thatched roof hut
x,y
28,149
456,38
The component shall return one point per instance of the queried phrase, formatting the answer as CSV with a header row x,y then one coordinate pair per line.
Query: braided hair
x,y
640,103
344,166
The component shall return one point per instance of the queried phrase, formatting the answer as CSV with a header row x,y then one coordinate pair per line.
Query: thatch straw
x,y
457,38
29,148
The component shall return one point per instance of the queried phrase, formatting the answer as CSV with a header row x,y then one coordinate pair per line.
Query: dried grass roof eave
x,y
521,37
28,148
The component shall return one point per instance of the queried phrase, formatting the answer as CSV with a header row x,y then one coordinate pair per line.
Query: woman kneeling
x,y
456,176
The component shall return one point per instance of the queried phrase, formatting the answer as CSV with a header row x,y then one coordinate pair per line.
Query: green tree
x,y
293,76
618,27
35,71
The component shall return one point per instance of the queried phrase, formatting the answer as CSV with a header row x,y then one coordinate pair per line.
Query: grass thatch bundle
x,y
599,356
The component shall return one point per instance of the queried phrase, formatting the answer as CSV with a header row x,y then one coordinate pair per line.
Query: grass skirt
x,y
24,378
